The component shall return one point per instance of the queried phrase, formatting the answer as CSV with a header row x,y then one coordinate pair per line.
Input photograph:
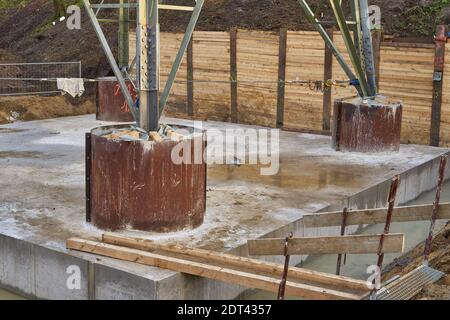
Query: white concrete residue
x,y
408,154
308,136
288,214
240,206
67,138
147,146
12,227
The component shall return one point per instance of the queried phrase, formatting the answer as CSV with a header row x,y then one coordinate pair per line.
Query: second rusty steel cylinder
x,y
110,103
136,184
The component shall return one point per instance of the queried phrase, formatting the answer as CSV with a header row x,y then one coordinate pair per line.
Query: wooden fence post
x,y
233,74
190,78
328,74
281,77
439,59
377,40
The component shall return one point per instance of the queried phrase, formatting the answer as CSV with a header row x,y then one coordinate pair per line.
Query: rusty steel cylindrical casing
x,y
135,184
110,103
366,126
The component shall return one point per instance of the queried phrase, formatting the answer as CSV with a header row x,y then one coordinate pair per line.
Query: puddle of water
x,y
298,173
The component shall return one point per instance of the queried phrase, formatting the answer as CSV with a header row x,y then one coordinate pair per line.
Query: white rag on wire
x,y
72,86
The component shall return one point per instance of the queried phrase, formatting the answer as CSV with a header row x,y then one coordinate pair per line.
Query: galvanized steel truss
x,y
359,47
147,110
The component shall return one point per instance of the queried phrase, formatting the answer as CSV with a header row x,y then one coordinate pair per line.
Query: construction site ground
x,y
439,259
42,204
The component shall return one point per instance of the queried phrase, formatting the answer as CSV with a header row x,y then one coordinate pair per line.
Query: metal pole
x,y
111,60
329,43
184,44
442,166
387,226
124,25
343,226
367,48
391,204
356,27
149,65
282,288
354,58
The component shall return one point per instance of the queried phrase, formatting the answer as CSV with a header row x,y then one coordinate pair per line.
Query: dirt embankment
x,y
439,259
406,18
28,108
27,35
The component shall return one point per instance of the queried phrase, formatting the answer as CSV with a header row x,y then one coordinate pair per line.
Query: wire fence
x,y
26,78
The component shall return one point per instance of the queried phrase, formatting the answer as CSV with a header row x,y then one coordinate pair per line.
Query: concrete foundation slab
x,y
42,204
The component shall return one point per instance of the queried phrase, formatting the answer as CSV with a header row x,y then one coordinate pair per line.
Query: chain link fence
x,y
35,78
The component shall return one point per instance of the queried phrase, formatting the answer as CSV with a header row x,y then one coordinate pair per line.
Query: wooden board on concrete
x,y
207,271
376,216
359,244
233,261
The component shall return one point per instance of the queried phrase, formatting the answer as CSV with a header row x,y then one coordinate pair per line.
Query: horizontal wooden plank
x,y
408,45
229,260
356,244
376,216
205,270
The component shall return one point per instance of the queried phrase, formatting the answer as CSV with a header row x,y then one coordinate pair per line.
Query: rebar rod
x,y
441,176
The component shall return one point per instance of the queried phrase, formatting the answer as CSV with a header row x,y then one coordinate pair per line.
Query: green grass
x,y
9,4
39,30
422,20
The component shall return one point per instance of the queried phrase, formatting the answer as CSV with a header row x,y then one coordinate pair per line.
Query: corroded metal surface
x,y
111,104
136,184
359,127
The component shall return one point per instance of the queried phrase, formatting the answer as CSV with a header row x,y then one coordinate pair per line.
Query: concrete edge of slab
x,y
34,271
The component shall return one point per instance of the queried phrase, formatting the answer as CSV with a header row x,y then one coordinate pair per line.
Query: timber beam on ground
x,y
233,261
376,216
358,244
237,270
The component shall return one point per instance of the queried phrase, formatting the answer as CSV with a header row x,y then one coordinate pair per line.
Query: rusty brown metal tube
x,y
441,178
287,257
136,184
387,226
343,226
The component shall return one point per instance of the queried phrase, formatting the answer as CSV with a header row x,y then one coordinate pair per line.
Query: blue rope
x,y
354,82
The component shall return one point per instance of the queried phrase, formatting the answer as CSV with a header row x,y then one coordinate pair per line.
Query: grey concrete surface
x,y
42,204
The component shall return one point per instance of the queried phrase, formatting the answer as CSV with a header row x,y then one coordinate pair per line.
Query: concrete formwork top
x,y
42,183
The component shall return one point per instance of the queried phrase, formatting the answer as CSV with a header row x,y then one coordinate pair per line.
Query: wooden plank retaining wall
x,y
406,71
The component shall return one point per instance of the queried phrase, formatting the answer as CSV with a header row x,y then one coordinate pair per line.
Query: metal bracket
x,y
437,76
